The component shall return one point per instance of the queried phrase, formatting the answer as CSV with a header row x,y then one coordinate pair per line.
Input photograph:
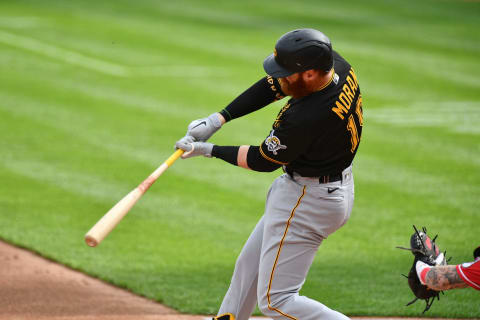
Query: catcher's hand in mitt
x,y
426,254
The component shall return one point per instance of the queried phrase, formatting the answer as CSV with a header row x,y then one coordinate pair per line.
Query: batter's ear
x,y
310,75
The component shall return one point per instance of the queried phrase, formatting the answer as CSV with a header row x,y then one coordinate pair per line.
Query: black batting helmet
x,y
299,50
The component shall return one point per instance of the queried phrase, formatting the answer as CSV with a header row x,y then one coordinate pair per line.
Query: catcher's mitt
x,y
425,250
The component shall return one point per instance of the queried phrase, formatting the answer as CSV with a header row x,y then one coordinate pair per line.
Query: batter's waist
x,y
342,176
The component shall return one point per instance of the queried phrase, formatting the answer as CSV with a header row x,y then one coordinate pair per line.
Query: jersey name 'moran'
x,y
346,97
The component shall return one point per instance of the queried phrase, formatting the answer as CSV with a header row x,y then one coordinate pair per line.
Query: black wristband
x,y
226,115
226,153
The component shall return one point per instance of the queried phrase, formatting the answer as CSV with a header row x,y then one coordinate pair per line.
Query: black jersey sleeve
x,y
262,93
257,162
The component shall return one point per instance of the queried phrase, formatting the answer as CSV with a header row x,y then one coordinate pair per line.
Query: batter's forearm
x,y
226,153
242,157
234,155
262,93
444,278
247,157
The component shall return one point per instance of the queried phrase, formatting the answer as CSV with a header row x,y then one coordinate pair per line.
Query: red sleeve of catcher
x,y
470,273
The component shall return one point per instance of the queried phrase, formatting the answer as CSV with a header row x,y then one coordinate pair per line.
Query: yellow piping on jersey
x,y
270,159
278,255
329,81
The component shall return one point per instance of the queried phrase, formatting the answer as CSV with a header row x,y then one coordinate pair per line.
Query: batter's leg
x,y
279,297
241,297
296,221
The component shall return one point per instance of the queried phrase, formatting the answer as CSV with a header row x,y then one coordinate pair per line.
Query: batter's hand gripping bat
x,y
106,224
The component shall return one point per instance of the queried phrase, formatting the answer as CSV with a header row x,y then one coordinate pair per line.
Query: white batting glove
x,y
194,149
203,129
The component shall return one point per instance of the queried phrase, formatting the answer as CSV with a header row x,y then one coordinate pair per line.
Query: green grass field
x,y
94,94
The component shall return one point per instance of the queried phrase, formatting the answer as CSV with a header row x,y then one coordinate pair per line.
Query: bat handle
x,y
174,157
167,163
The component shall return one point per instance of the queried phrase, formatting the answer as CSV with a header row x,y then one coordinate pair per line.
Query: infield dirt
x,y
32,287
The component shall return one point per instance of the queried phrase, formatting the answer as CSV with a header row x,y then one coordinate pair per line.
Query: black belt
x,y
321,179
330,178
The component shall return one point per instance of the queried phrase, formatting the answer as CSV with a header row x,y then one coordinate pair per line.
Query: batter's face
x,y
296,86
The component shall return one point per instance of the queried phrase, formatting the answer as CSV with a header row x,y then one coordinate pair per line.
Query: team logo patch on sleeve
x,y
273,143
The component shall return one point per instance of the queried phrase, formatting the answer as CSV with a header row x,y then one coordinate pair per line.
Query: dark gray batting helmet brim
x,y
272,68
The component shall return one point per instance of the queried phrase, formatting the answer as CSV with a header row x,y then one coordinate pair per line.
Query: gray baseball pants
x,y
299,213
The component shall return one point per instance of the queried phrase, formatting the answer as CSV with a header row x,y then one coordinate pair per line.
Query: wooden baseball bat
x,y
106,224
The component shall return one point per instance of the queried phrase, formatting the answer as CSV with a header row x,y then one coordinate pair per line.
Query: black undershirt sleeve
x,y
226,153
255,161
262,93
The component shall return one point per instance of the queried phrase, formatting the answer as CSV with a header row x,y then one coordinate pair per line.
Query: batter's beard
x,y
296,89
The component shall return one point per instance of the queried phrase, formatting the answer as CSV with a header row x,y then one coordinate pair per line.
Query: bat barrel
x,y
106,224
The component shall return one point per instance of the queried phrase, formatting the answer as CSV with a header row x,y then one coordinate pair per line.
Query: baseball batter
x,y
314,138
